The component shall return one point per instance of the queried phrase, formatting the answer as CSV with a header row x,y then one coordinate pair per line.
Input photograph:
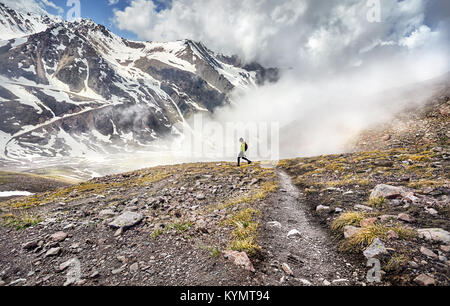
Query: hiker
x,y
244,148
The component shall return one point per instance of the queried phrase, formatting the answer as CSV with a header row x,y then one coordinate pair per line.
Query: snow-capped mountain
x,y
70,88
14,24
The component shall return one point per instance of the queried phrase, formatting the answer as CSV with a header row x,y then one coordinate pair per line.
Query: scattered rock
x,y
305,282
117,271
405,217
387,192
30,245
293,234
126,220
428,252
275,224
200,196
287,269
322,208
363,207
201,226
58,236
118,232
350,231
392,235
425,280
431,211
434,234
377,247
134,268
445,248
326,283
368,221
53,252
240,259
106,213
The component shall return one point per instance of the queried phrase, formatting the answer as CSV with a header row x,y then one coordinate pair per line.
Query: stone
x,y
287,269
322,208
406,218
326,283
392,235
425,280
413,264
387,192
338,210
293,234
200,196
117,271
350,231
434,234
53,252
377,247
305,282
368,221
30,245
134,268
240,259
106,213
431,211
58,236
445,248
428,252
201,226
275,224
118,232
363,207
126,220
385,218
65,265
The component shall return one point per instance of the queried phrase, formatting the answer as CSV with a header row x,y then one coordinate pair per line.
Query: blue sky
x,y
101,11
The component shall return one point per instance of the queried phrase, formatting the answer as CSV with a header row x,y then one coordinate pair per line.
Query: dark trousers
x,y
244,158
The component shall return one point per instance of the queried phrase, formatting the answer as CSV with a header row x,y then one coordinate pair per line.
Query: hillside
x,y
172,225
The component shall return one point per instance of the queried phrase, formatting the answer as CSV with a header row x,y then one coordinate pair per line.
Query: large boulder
x,y
240,259
434,234
377,247
350,231
388,192
126,220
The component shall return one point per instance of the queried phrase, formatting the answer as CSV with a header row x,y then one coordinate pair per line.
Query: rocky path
x,y
298,247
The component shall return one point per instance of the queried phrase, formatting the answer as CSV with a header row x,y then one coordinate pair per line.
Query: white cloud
x,y
51,4
310,35
113,2
33,6
338,57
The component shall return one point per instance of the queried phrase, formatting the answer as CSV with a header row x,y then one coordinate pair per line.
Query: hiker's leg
x,y
249,161
239,161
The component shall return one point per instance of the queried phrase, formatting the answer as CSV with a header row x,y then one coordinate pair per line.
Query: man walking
x,y
244,148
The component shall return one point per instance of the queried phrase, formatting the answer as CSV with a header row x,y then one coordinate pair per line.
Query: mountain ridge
x,y
88,90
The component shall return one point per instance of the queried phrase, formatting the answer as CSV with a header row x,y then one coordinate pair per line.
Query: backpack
x,y
246,147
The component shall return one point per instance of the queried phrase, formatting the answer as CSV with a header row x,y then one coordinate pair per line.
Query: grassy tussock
x,y
245,230
348,218
368,234
19,222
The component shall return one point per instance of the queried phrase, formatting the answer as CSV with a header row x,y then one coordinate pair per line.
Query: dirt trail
x,y
311,255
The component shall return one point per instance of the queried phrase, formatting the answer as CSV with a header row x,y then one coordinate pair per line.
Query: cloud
x,y
308,35
338,60
33,6
113,2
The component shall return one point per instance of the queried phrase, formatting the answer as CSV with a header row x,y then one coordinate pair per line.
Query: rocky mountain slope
x,y
71,88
